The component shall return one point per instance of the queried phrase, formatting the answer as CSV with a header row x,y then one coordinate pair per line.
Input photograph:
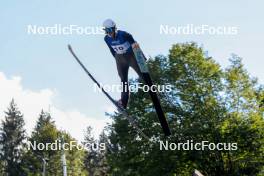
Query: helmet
x,y
109,26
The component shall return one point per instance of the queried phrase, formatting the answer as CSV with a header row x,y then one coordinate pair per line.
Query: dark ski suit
x,y
121,49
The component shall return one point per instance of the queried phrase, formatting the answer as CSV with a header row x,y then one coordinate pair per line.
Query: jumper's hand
x,y
135,45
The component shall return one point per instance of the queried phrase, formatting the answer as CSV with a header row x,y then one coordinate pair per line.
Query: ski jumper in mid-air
x,y
127,54
121,45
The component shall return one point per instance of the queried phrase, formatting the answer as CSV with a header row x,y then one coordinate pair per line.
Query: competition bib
x,y
121,49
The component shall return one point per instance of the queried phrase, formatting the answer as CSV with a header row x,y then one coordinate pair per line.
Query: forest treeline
x,y
206,103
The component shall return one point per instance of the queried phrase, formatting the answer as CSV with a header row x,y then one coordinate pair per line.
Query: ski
x,y
141,61
121,110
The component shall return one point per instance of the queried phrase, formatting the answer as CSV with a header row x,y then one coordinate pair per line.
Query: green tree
x,y
12,138
95,155
206,103
244,120
46,132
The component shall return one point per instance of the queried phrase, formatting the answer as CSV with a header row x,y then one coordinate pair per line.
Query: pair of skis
x,y
143,67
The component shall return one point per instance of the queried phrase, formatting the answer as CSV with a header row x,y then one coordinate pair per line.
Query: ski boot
x,y
120,104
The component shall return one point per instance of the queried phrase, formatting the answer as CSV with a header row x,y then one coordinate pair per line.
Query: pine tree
x,y
91,157
95,158
45,132
104,167
12,140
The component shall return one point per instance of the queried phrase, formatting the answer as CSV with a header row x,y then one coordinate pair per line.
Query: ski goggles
x,y
109,30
